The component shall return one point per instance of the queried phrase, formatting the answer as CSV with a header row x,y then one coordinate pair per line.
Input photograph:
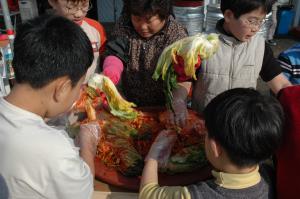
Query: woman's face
x,y
145,26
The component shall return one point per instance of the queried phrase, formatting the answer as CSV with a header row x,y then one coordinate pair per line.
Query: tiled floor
x,y
283,43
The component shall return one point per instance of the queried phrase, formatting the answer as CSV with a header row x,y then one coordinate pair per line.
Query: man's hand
x,y
180,114
161,148
88,137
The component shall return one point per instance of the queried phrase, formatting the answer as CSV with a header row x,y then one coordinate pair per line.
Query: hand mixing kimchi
x,y
124,143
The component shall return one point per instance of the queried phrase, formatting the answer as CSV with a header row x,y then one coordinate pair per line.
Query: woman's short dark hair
x,y
246,124
240,7
148,8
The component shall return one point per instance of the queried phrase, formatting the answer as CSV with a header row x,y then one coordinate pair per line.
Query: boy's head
x,y
244,18
148,16
52,50
75,10
245,125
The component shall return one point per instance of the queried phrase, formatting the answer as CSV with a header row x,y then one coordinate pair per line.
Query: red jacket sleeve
x,y
288,156
101,31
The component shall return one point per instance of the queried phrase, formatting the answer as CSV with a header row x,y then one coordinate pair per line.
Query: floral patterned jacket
x,y
139,57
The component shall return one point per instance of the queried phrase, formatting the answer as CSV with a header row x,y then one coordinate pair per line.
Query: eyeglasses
x,y
254,23
71,9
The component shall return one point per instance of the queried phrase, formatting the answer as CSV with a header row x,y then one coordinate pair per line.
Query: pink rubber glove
x,y
113,68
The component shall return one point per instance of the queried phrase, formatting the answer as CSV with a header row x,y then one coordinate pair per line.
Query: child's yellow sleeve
x,y
154,191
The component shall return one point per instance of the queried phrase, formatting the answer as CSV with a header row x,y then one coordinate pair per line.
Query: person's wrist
x,y
178,101
88,151
153,156
89,146
179,105
151,160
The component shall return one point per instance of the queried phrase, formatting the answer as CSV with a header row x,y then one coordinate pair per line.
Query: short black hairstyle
x,y
148,8
48,47
247,124
240,7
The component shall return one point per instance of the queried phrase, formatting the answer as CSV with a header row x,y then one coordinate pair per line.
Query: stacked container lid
x,y
190,15
213,15
264,30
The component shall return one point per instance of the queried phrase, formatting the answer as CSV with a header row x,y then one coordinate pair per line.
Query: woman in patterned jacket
x,y
144,29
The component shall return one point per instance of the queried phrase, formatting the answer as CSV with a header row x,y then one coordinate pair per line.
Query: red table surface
x,y
113,177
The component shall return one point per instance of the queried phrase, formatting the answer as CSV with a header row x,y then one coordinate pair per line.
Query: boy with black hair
x,y
243,129
51,58
243,55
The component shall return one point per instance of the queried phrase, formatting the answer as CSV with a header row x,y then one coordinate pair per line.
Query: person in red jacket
x,y
76,11
288,156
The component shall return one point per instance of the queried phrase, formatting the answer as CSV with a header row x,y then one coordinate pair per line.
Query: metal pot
x,y
264,30
192,18
213,15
